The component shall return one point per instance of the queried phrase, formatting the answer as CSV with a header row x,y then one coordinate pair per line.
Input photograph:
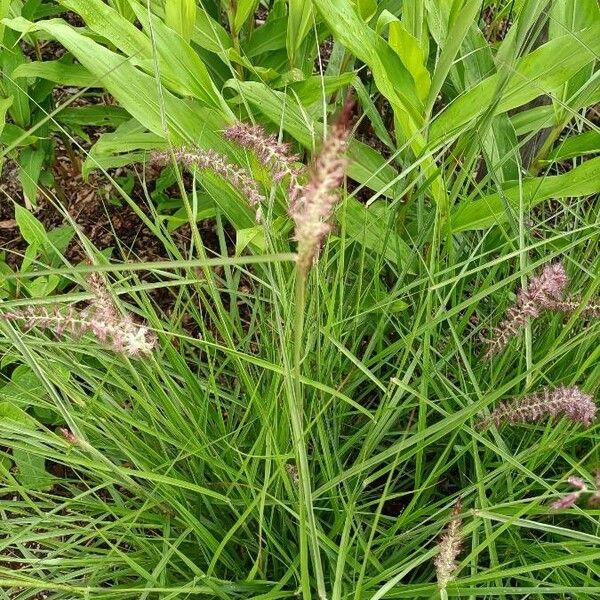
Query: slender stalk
x,y
308,526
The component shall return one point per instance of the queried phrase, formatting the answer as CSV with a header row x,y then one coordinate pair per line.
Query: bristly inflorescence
x,y
449,548
569,500
569,402
543,292
276,156
101,318
314,204
572,304
210,160
531,300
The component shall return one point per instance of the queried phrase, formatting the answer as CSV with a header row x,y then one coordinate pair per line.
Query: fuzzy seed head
x,y
449,548
101,318
272,154
209,160
541,292
314,204
567,501
569,402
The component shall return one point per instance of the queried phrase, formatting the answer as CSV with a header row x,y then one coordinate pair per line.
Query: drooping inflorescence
x,y
531,300
210,160
569,500
273,154
569,402
543,292
101,318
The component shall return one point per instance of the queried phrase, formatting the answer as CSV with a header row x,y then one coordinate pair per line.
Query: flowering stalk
x,y
209,160
541,291
310,209
449,548
272,154
101,318
569,402
314,204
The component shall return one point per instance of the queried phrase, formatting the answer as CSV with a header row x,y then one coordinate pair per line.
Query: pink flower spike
x,y
577,483
567,501
209,160
449,547
314,204
569,402
543,291
101,318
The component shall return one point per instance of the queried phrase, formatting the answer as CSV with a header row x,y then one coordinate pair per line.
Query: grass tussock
x,y
299,301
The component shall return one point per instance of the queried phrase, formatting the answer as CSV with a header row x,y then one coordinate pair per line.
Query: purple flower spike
x,y
569,402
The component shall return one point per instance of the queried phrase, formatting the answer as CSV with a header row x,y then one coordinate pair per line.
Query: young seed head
x,y
314,204
569,500
274,155
209,160
449,548
569,402
541,292
100,318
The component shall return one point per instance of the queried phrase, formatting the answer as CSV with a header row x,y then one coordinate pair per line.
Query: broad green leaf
x,y
567,17
100,116
313,89
243,10
31,229
576,145
4,8
181,69
11,57
534,119
130,143
300,19
59,72
538,73
489,210
367,166
163,114
40,287
13,136
31,161
270,36
12,412
31,470
365,226
180,66
454,34
4,106
123,7
501,149
107,22
210,34
391,76
407,47
366,9
393,81
414,22
180,15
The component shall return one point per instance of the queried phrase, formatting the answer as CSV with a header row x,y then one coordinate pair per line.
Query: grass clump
x,y
361,360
